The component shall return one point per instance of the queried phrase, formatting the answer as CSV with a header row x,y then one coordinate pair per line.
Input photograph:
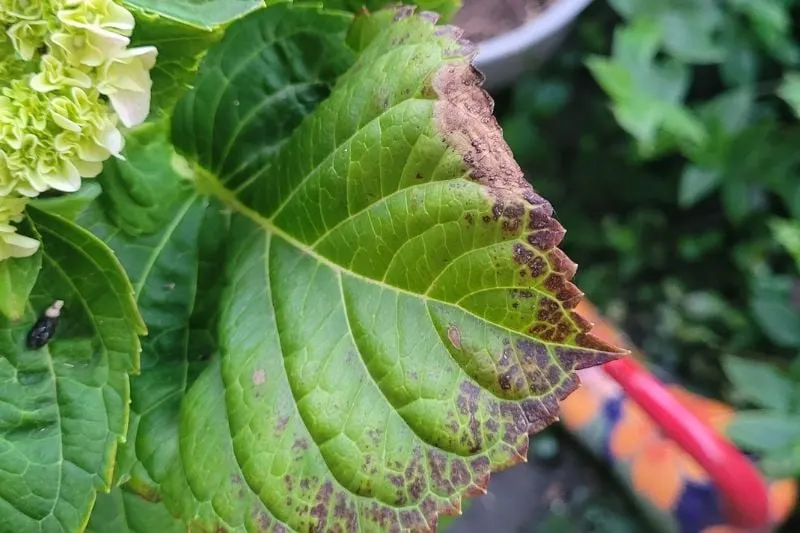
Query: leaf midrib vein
x,y
162,243
269,226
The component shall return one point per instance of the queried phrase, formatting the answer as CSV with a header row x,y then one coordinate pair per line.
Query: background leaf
x,y
141,191
121,511
65,406
789,90
170,240
173,278
760,383
696,184
262,95
774,311
368,375
787,233
199,13
764,431
177,275
647,93
182,30
691,30
70,205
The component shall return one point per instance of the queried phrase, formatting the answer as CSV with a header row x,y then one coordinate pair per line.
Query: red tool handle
x,y
744,489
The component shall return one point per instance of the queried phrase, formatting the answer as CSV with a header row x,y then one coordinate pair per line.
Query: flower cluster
x,y
68,82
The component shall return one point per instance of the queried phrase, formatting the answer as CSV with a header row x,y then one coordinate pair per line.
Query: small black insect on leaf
x,y
44,329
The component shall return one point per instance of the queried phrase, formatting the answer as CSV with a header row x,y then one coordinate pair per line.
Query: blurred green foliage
x,y
666,134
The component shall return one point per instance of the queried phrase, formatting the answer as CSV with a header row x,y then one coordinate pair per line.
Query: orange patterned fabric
x,y
658,467
657,470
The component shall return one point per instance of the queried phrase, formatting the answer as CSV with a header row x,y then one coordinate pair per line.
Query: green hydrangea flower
x,y
68,83
12,244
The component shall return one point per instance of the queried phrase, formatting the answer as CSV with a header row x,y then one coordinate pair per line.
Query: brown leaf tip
x,y
464,114
462,48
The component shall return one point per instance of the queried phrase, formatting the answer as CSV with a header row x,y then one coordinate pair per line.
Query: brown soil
x,y
483,19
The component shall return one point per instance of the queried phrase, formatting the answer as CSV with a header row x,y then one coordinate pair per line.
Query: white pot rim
x,y
551,21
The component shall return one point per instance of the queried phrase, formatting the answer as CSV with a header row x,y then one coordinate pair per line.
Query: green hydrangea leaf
x,y
121,511
692,31
71,205
182,31
787,233
759,382
647,93
17,278
173,273
180,46
207,14
213,494
773,309
398,317
141,191
789,90
255,113
764,431
771,21
176,272
696,183
65,405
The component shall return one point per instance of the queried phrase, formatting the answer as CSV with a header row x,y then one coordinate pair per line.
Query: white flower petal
x,y
132,107
67,180
16,245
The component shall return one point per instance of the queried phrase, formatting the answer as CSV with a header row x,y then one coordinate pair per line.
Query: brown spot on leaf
x,y
539,416
480,466
281,423
264,520
568,386
467,402
515,423
376,436
505,380
533,353
545,239
429,512
415,475
554,374
437,464
521,293
345,512
259,376
537,383
322,504
402,12
464,116
412,520
396,479
430,16
459,474
479,485
454,334
382,516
